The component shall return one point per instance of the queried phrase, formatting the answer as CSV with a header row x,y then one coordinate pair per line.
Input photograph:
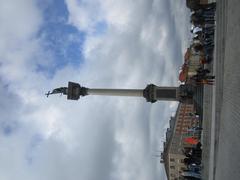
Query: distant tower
x,y
152,93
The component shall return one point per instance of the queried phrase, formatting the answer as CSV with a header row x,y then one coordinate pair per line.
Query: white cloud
x,y
84,14
96,137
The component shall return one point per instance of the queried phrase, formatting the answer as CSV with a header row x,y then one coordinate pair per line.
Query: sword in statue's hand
x,y
47,94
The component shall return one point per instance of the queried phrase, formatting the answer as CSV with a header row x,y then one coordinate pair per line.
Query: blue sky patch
x,y
7,130
8,127
61,40
100,28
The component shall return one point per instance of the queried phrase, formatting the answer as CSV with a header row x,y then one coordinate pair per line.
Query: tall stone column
x,y
151,93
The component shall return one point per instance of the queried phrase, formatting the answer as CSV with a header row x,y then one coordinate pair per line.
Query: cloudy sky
x,y
97,43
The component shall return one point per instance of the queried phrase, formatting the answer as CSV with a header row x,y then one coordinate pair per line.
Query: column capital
x,y
149,92
75,91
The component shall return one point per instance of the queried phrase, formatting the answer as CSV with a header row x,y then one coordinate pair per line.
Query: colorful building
x,y
173,156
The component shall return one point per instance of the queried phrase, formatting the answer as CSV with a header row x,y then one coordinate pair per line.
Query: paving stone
x,y
221,154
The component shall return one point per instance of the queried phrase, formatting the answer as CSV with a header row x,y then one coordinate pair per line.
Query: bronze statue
x,y
61,90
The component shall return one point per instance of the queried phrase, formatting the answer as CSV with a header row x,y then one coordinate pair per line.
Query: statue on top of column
x,y
61,90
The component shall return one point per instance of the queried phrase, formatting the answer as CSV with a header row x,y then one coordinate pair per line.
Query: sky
x,y
99,44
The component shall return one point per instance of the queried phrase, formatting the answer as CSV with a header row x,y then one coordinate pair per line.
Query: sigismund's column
x,y
152,93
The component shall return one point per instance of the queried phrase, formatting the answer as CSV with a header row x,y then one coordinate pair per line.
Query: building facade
x,y
173,156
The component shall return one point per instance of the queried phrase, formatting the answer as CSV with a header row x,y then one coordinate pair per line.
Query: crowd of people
x,y
203,77
193,154
203,27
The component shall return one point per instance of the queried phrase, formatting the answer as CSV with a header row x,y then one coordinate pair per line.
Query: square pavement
x,y
221,119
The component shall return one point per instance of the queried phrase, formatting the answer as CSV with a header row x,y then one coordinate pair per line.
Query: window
x,y
172,167
172,160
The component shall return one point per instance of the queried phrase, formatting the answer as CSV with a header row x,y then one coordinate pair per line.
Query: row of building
x,y
172,155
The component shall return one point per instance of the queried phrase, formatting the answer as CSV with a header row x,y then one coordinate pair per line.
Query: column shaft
x,y
116,92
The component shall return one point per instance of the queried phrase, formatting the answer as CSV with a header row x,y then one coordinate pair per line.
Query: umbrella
x,y
182,76
191,140
187,54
